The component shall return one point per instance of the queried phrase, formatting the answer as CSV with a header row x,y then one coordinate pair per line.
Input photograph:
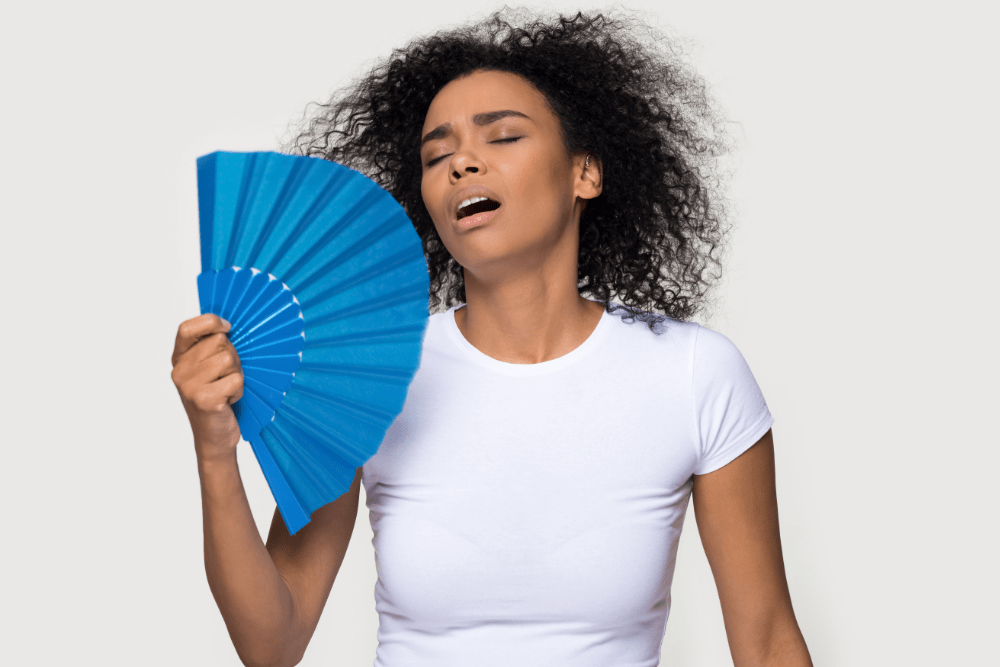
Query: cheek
x,y
427,193
542,189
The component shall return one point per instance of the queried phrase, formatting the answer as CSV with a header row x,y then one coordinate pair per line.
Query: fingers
x,y
214,382
215,396
192,373
192,330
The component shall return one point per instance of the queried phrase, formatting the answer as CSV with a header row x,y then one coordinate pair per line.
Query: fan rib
x,y
373,272
273,343
260,290
249,179
206,167
289,188
368,200
352,251
263,369
264,391
313,461
236,305
292,512
264,321
415,332
390,374
318,207
339,446
404,295
371,414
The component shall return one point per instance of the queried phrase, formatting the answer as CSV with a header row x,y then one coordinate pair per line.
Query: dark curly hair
x,y
623,93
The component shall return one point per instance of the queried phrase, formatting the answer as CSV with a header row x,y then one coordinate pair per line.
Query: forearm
x,y
255,602
783,646
788,650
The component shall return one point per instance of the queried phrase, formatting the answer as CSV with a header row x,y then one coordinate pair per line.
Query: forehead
x,y
486,91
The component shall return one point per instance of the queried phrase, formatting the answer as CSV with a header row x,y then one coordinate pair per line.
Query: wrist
x,y
216,462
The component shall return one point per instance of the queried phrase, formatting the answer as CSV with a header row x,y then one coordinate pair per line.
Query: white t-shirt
x,y
528,514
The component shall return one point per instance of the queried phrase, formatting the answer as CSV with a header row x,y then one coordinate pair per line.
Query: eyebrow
x,y
442,131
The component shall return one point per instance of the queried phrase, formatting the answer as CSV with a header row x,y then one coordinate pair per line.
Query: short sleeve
x,y
729,409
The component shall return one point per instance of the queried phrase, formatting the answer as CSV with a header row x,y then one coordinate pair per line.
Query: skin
x,y
522,303
522,306
270,596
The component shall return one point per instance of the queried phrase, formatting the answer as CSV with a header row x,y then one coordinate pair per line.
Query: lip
x,y
467,193
477,219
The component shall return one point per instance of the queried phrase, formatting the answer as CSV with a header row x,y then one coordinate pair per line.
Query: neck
x,y
527,320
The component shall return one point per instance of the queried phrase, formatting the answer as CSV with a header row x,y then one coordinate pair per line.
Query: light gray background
x,y
861,289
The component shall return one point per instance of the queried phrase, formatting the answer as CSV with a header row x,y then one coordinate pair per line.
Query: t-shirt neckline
x,y
541,368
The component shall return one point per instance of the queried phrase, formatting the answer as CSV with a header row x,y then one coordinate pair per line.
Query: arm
x,y
270,597
736,509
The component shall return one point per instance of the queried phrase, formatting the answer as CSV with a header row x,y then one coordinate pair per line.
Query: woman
x,y
528,501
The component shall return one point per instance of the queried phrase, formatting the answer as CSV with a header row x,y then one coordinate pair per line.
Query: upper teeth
x,y
473,200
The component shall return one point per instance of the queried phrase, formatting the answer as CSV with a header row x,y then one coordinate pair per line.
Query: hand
x,y
209,379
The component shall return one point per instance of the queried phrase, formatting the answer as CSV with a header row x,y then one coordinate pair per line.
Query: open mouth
x,y
476,205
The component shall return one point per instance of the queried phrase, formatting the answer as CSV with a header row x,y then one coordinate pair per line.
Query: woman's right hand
x,y
209,379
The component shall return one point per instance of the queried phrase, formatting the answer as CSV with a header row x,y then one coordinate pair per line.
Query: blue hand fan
x,y
323,278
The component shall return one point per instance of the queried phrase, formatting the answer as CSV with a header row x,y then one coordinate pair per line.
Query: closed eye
x,y
508,140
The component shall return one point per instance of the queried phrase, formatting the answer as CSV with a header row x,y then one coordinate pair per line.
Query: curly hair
x,y
652,238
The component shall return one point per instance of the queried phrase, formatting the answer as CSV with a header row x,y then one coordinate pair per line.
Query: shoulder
x,y
654,329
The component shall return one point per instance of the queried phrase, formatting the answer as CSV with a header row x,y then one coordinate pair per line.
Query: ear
x,y
589,175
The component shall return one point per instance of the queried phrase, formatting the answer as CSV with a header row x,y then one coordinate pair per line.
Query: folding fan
x,y
323,278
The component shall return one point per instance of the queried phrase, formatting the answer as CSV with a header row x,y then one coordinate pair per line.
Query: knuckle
x,y
200,401
207,402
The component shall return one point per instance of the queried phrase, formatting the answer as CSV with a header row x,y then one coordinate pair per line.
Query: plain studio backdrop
x,y
860,288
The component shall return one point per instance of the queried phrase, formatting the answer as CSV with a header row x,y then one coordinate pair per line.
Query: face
x,y
492,136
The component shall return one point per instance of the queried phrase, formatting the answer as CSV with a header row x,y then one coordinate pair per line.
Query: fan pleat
x,y
309,209
376,271
359,251
280,339
306,484
324,281
272,396
395,335
272,343
289,316
249,190
236,291
393,303
396,356
309,248
294,510
261,236
287,362
261,411
377,246
346,407
342,432
309,436
270,296
323,458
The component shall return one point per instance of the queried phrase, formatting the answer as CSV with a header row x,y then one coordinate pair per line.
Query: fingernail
x,y
228,325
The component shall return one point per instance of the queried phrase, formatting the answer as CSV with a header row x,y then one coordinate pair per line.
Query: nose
x,y
464,163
